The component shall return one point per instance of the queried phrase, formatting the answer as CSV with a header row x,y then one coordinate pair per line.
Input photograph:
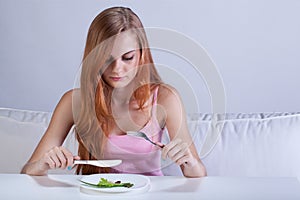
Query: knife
x,y
98,163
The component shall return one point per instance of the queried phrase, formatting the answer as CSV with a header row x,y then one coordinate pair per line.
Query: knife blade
x,y
98,163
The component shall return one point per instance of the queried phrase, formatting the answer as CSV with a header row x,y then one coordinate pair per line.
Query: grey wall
x,y
255,45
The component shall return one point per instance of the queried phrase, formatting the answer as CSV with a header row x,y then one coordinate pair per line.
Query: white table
x,y
20,186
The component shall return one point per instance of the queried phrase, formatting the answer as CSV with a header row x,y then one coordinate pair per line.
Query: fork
x,y
143,135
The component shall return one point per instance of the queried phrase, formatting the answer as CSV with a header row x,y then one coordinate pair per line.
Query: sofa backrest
x,y
258,144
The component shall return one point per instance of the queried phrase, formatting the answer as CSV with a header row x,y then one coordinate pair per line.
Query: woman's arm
x,y
181,148
49,154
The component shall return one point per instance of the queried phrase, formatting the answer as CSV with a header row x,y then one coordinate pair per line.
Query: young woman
x,y
120,90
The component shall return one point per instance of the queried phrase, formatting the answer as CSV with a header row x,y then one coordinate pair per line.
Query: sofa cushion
x,y
20,132
262,144
254,144
18,140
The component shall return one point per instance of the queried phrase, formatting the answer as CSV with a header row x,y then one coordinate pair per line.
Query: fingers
x,y
48,161
178,151
59,157
167,148
172,148
68,157
76,158
161,145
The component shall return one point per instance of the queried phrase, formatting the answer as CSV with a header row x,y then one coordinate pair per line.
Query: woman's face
x,y
124,61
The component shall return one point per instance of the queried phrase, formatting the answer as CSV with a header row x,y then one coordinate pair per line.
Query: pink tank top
x,y
138,155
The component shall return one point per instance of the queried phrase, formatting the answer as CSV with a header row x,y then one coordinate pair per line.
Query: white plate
x,y
141,183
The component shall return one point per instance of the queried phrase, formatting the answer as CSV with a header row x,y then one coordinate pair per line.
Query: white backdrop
x,y
255,45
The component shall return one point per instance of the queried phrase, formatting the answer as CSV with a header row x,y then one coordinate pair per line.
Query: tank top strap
x,y
154,104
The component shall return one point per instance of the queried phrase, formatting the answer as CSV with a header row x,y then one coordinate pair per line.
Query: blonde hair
x,y
94,120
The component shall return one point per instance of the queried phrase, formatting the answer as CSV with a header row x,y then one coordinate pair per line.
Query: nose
x,y
117,66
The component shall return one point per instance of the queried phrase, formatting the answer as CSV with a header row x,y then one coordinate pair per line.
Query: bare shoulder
x,y
65,101
68,98
169,103
64,106
167,94
172,110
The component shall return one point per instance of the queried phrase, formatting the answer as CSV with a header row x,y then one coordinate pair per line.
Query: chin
x,y
118,86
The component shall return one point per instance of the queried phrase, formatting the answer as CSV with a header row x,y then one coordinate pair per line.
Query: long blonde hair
x,y
94,120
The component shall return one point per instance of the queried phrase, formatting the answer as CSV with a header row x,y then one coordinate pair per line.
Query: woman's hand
x,y
57,158
178,151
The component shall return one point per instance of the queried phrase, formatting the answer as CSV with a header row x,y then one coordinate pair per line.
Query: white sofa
x,y
20,132
258,144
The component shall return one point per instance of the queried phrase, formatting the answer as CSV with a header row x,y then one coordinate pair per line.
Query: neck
x,y
122,96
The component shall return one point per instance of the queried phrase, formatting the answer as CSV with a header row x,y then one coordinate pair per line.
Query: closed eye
x,y
128,58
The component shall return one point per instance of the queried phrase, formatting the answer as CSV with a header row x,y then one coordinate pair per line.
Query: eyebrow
x,y
128,52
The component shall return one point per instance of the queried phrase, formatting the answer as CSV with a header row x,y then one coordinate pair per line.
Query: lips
x,y
116,78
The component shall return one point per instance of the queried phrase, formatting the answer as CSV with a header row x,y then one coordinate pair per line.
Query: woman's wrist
x,y
194,170
34,168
